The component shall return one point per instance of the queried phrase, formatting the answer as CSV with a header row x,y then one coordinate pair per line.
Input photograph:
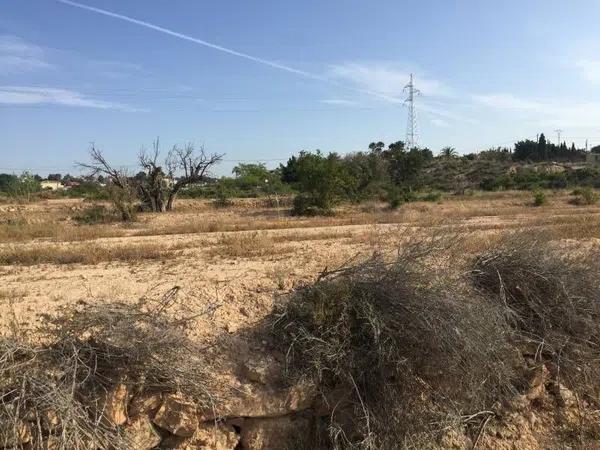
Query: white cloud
x,y
385,79
589,69
26,95
17,56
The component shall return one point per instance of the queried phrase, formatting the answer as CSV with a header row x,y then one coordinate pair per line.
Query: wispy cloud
x,y
589,69
28,95
115,69
507,101
440,123
546,112
385,79
18,56
338,102
189,38
186,37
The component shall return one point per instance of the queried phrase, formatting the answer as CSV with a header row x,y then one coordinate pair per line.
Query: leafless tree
x,y
161,184
121,187
192,167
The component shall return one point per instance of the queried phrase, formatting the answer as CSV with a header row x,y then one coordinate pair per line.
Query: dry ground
x,y
241,256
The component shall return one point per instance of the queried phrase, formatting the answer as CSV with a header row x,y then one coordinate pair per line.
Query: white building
x,y
51,185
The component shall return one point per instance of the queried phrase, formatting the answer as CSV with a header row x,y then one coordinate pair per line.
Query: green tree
x,y
24,186
322,181
448,152
405,166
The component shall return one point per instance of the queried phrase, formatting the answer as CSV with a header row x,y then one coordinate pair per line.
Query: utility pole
x,y
411,125
558,136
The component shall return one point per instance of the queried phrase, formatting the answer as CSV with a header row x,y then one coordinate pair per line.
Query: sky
x,y
262,80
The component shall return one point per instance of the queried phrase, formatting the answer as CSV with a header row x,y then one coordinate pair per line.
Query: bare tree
x,y
158,190
192,166
121,187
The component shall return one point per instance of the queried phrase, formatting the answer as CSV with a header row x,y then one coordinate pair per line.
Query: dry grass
x,y
20,230
404,350
551,297
247,245
86,351
398,351
82,254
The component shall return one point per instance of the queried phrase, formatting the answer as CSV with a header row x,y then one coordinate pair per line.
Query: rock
x,y
114,405
52,443
141,434
177,416
145,405
208,436
260,370
50,420
18,437
264,403
537,382
274,433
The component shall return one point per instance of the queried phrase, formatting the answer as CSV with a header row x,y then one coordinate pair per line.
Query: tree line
x,y
317,181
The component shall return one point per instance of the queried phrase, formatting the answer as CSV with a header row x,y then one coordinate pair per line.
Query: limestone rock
x,y
141,434
274,433
264,403
114,405
209,436
144,405
260,370
177,416
10,437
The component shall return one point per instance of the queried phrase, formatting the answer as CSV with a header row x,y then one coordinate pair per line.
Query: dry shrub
x,y
84,352
551,298
398,351
96,214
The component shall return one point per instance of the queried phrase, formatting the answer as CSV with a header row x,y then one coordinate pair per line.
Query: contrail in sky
x,y
220,48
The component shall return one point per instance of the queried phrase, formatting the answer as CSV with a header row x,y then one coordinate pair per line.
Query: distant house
x,y
593,159
51,185
71,184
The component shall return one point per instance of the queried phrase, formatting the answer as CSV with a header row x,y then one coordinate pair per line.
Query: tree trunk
x,y
170,201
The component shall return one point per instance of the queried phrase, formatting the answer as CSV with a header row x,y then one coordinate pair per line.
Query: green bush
x,y
539,198
307,205
222,196
585,196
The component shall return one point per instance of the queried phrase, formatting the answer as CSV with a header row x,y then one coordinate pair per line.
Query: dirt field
x,y
238,261
48,259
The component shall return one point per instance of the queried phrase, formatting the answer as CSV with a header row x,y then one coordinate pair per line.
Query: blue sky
x,y
262,80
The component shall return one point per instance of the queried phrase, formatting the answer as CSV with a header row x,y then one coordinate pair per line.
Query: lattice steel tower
x,y
411,125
